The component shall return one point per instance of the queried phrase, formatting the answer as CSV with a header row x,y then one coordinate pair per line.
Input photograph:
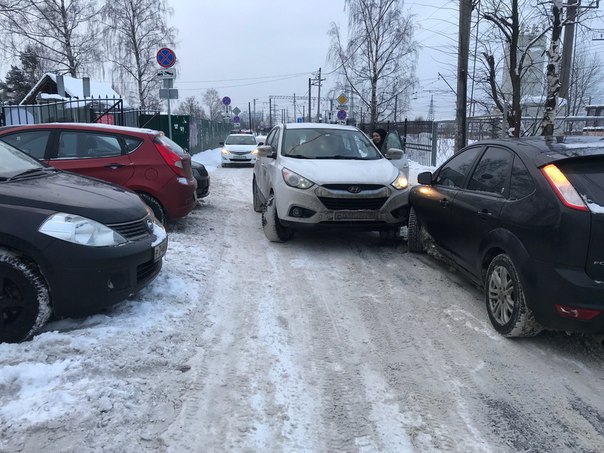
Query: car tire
x,y
24,299
273,229
506,302
155,206
256,197
414,234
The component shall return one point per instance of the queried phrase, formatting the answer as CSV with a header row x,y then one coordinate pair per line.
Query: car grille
x,y
362,187
336,204
132,230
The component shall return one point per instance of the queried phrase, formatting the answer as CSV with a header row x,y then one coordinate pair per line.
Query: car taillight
x,y
172,158
563,188
585,314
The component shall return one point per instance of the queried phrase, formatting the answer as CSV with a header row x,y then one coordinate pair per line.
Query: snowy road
x,y
328,343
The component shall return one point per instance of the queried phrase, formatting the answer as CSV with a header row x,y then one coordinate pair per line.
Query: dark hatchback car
x,y
523,218
200,173
69,245
143,160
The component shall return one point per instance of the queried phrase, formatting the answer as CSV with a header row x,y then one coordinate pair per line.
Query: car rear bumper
x,y
178,199
203,186
569,287
84,280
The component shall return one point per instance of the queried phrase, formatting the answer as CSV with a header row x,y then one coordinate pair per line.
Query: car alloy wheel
x,y
506,303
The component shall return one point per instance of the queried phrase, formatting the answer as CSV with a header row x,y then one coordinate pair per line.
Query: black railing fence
x,y
193,134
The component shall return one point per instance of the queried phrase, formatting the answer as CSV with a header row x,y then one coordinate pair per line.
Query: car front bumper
x,y
84,280
238,159
301,209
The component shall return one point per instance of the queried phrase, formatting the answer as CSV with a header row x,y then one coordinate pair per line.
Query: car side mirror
x,y
266,151
221,143
394,154
260,143
425,178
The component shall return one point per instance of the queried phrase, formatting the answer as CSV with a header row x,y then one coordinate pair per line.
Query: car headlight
x,y
225,151
293,179
400,182
80,230
254,152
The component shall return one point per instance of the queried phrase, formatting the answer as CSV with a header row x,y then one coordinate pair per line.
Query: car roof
x,y
319,126
83,126
544,150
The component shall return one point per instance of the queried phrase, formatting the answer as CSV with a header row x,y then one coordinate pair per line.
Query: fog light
x,y
584,314
297,211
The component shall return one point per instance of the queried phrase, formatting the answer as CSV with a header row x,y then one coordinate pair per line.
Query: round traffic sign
x,y
226,100
166,57
236,119
341,115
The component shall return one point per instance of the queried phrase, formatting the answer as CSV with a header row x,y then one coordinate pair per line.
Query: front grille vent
x,y
338,204
132,230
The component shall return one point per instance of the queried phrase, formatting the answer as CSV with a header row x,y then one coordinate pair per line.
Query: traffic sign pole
x,y
166,58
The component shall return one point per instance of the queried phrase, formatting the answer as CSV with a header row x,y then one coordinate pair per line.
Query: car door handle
x,y
485,214
114,166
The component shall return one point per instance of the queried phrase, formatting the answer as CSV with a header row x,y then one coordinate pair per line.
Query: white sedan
x,y
311,175
239,149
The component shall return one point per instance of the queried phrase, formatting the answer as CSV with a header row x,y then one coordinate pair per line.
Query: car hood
x,y
74,194
241,147
321,172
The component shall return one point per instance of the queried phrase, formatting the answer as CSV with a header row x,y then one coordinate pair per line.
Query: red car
x,y
143,160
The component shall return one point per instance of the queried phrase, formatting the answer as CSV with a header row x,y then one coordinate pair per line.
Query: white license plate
x,y
355,215
160,250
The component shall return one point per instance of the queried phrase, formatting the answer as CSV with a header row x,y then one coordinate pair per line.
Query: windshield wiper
x,y
30,172
340,157
297,156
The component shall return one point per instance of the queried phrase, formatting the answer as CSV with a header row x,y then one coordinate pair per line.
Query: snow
x,y
326,343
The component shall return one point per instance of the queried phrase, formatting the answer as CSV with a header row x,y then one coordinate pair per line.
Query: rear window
x,y
587,176
172,146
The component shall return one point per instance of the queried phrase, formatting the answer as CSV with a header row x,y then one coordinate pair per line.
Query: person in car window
x,y
379,137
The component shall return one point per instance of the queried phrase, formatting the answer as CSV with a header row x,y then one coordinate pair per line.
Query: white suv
x,y
325,175
238,149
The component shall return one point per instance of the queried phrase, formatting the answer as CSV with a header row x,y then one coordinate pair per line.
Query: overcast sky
x,y
252,50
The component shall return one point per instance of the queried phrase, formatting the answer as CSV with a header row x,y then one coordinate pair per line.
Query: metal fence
x,y
430,143
193,134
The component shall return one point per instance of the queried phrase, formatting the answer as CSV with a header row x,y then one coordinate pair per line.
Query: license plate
x,y
355,215
160,250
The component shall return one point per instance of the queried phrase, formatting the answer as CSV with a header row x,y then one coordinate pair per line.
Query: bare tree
x,y
518,31
378,59
192,107
66,30
214,103
136,30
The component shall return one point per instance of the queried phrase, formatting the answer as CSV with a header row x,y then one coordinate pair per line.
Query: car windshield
x,y
322,143
14,162
240,140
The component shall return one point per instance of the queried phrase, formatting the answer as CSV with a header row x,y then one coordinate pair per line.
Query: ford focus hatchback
x,y
524,219
327,176
143,160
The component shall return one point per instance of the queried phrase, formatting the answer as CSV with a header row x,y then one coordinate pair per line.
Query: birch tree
x,y
136,30
378,58
67,31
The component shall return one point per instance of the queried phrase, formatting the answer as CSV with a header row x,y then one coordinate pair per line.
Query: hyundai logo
x,y
354,189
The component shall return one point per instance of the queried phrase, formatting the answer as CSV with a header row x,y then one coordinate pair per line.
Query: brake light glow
x,y
173,160
563,188
584,314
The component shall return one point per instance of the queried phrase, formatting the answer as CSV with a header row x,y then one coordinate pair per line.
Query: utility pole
x,y
465,17
309,99
567,48
318,82
270,113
